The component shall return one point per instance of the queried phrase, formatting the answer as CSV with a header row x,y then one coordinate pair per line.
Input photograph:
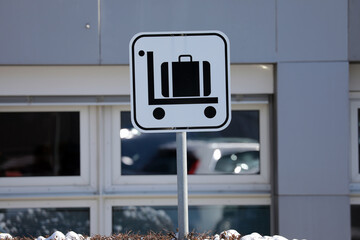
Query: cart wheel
x,y
210,112
159,113
141,53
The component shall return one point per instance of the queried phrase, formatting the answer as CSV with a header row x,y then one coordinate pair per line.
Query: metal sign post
x,y
181,158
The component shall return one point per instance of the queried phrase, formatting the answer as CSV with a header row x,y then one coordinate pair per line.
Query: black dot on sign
x,y
159,113
210,112
141,53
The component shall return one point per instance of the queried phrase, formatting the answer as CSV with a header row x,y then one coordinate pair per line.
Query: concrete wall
x,y
312,120
308,40
49,32
43,32
313,149
92,32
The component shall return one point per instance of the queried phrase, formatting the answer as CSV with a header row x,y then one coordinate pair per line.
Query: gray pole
x,y
183,218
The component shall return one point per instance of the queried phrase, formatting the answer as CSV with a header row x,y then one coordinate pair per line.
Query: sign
x,y
180,81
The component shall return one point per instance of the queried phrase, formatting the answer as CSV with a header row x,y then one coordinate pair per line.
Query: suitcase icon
x,y
185,78
186,86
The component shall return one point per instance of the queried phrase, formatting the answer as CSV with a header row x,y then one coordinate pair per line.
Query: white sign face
x,y
180,81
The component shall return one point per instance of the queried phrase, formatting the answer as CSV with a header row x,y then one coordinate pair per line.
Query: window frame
x,y
171,200
8,203
117,182
58,183
354,125
354,200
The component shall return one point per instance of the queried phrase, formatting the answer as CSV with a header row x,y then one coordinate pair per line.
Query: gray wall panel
x,y
49,32
313,134
249,24
354,30
314,217
312,30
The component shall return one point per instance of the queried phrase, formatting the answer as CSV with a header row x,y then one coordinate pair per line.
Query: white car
x,y
209,157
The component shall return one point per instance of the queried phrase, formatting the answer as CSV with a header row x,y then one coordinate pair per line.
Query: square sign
x,y
180,81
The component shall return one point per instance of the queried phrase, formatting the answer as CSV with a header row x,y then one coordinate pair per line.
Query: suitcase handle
x,y
187,55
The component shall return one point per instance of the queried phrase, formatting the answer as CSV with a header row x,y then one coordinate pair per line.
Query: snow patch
x,y
4,236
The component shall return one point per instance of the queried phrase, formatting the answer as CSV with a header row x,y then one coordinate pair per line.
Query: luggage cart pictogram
x,y
180,81
185,78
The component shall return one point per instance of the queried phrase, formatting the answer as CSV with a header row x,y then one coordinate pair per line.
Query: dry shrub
x,y
149,236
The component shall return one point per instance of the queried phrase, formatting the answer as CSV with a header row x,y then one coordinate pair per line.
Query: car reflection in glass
x,y
239,163
215,156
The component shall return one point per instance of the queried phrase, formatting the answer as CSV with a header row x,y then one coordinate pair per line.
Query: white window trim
x,y
61,183
355,199
50,203
116,182
171,200
84,80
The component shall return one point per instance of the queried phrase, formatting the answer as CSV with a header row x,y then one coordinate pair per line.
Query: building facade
x,y
68,150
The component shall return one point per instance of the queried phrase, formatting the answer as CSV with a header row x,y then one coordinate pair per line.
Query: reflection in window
x,y
355,222
234,150
39,144
212,219
33,222
242,162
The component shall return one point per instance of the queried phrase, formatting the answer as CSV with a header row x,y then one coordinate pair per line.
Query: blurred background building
x,y
288,164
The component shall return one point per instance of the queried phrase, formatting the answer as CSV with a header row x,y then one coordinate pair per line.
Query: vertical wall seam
x,y
99,30
276,27
348,31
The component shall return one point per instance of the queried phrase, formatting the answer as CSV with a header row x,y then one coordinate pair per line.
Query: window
x,y
355,217
238,154
235,159
355,140
34,218
44,221
234,150
211,214
355,222
212,219
38,143
354,94
92,179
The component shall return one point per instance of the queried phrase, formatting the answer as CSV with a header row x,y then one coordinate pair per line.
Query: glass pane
x,y
234,150
34,222
355,222
39,144
212,219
